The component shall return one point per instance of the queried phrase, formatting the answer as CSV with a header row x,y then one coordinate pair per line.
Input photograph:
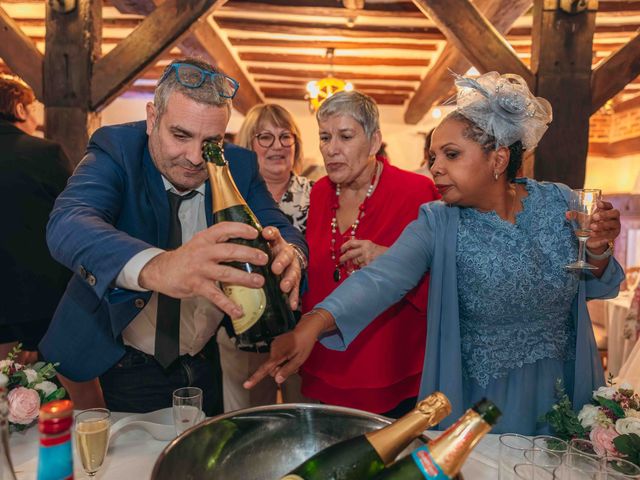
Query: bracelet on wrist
x,y
302,260
326,317
601,256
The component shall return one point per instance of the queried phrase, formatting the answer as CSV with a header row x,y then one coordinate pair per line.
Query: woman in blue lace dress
x,y
505,319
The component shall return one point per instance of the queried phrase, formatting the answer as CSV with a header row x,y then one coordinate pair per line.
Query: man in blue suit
x,y
115,225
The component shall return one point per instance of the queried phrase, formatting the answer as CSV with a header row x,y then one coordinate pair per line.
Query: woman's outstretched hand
x,y
290,350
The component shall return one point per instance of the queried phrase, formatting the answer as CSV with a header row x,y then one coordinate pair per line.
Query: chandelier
x,y
319,90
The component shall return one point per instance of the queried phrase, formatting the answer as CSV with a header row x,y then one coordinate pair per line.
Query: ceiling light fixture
x,y
319,90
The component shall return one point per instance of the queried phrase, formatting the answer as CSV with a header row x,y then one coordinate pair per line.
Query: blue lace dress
x,y
504,319
515,302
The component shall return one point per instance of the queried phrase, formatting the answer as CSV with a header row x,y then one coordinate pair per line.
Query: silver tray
x,y
262,443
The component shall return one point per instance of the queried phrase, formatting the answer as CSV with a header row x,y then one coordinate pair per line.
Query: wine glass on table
x,y
92,438
582,205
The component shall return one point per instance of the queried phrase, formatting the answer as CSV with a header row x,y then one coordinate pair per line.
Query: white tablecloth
x,y
614,312
133,453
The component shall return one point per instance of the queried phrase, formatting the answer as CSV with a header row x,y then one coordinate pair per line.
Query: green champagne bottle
x,y
361,457
442,458
267,313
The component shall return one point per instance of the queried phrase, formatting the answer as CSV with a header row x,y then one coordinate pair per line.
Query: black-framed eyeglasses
x,y
266,139
191,76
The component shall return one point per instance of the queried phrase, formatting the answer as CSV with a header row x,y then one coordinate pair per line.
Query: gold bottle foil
x,y
390,441
451,449
223,197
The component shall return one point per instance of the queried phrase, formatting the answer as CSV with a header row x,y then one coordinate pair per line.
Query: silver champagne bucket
x,y
262,443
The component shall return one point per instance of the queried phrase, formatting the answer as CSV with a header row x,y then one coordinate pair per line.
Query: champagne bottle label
x,y
292,477
427,466
253,302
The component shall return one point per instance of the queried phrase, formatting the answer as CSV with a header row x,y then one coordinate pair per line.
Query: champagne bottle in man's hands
x,y
267,313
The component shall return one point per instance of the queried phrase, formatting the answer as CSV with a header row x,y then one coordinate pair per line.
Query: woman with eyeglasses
x,y
271,132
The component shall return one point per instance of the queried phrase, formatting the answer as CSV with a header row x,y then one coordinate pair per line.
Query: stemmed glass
x,y
582,205
92,438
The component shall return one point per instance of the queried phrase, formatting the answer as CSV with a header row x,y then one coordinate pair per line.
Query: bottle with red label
x,y
55,459
442,458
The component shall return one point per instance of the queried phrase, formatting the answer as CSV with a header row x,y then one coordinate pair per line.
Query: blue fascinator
x,y
503,107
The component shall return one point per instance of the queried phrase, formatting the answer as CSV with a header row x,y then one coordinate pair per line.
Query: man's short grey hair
x,y
361,107
208,93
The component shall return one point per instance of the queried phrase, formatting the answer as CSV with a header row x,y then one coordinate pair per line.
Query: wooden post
x,y
72,45
561,60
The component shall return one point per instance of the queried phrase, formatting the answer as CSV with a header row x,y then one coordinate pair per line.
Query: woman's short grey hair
x,y
208,93
362,108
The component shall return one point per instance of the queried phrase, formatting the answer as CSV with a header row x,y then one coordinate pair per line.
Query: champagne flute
x,y
582,205
92,438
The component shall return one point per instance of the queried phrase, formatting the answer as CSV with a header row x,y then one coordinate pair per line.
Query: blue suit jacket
x,y
115,205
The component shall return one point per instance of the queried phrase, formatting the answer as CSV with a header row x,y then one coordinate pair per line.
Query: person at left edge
x,y
111,227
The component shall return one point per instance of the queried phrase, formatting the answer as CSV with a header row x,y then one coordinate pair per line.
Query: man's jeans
x,y
137,383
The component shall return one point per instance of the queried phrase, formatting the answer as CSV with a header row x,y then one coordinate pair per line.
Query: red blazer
x,y
383,365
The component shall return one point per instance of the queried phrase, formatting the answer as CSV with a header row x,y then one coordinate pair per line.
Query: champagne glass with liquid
x,y
92,438
582,206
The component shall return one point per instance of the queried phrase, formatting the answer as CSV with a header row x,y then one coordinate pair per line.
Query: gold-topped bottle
x,y
267,313
442,458
361,457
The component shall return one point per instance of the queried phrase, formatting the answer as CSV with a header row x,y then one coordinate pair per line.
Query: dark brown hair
x,y
13,91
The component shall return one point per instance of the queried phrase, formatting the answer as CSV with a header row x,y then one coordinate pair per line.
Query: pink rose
x,y
24,405
602,439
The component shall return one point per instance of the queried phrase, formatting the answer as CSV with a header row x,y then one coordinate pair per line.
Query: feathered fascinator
x,y
503,107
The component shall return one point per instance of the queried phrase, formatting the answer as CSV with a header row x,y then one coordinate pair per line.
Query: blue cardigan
x,y
115,205
429,243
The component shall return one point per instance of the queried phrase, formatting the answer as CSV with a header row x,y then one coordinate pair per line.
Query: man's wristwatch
x,y
302,260
601,256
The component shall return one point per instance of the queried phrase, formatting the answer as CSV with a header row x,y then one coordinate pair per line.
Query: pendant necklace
x,y
335,254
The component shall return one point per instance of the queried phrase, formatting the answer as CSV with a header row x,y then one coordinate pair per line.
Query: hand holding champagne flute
x,y
596,224
92,438
582,206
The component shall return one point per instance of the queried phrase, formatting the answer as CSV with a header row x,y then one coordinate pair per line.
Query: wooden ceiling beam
x,y
315,74
606,6
205,43
612,75
474,36
439,80
336,60
328,29
324,8
300,94
159,31
128,23
342,45
20,53
302,83
630,104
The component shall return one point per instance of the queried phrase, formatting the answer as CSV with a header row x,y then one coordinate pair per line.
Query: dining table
x,y
133,452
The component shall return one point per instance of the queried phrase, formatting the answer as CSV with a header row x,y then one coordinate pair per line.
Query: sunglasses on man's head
x,y
191,76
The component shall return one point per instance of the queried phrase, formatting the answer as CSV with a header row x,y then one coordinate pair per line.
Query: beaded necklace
x,y
335,254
